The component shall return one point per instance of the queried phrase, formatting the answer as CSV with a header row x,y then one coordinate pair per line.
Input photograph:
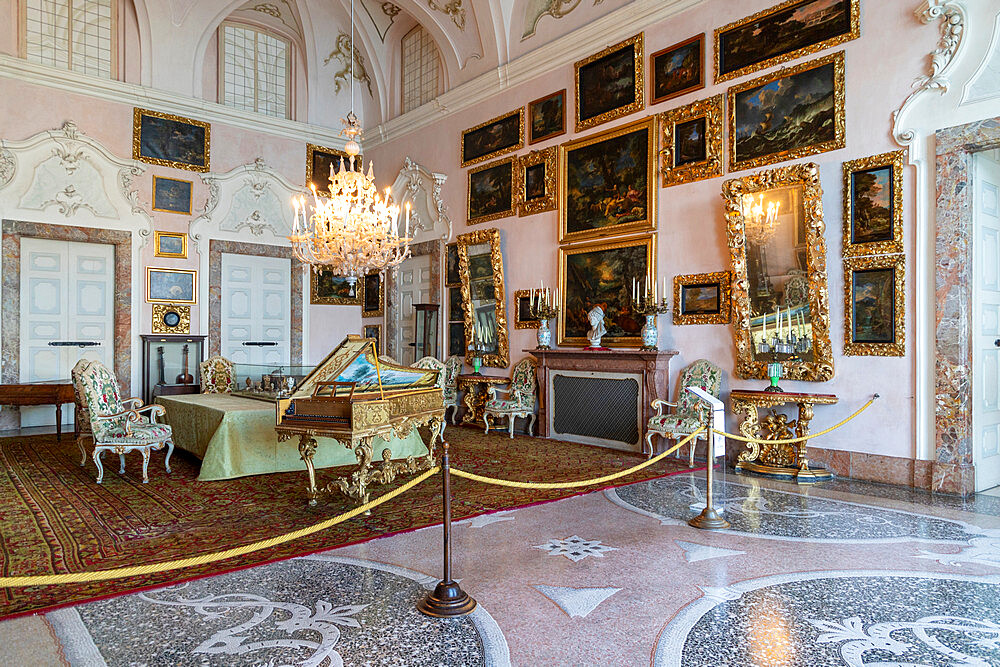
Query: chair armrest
x,y
129,415
135,402
154,409
658,404
492,392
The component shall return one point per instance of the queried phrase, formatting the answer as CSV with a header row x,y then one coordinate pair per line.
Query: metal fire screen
x,y
596,407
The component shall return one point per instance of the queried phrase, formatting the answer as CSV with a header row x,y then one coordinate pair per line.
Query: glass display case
x,y
425,343
268,382
170,364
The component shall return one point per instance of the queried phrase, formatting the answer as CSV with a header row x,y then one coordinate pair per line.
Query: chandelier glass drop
x,y
355,231
760,221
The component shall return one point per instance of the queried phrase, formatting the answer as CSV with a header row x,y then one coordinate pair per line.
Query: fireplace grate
x,y
596,407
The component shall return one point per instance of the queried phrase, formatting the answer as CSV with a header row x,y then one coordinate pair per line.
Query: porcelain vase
x,y
544,335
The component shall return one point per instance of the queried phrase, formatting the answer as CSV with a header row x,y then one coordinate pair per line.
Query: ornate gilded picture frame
x,y
677,70
374,331
172,195
875,306
326,289
782,33
607,182
609,83
783,128
170,318
170,244
319,159
496,137
601,274
372,295
702,298
170,141
691,142
547,117
522,310
452,278
481,264
873,205
491,194
770,285
536,182
171,285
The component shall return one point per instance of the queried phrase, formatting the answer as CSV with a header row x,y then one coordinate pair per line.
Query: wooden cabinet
x,y
170,365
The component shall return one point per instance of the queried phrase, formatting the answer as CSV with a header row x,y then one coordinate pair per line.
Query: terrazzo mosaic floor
x,y
840,574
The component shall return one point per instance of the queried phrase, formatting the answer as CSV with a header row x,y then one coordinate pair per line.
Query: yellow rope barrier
x,y
153,568
573,485
810,436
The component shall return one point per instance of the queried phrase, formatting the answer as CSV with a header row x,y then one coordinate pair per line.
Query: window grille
x,y
78,35
421,69
255,70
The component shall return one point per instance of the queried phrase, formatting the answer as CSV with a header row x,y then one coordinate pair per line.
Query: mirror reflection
x,y
482,294
481,272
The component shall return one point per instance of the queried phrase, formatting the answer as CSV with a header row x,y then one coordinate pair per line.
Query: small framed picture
x,y
495,137
452,278
170,244
702,298
172,195
609,83
535,181
873,205
326,289
491,191
374,331
319,160
170,141
373,301
691,137
171,285
522,310
456,339
875,299
547,117
456,311
677,70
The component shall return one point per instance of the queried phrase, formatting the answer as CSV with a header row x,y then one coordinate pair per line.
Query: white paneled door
x,y
256,309
986,323
67,295
413,285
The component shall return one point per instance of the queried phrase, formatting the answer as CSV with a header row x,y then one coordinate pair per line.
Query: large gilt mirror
x,y
480,266
780,302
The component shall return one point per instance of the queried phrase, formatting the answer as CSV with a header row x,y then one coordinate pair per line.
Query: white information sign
x,y
718,418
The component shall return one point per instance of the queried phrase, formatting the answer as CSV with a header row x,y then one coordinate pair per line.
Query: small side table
x,y
781,461
476,394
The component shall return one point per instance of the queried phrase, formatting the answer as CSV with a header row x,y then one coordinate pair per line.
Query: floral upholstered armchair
x,y
120,429
218,376
452,368
432,363
520,401
81,417
689,413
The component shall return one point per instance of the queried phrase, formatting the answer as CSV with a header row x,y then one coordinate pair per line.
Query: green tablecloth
x,y
235,436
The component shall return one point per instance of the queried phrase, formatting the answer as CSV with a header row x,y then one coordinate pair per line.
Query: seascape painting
x,y
607,183
689,142
170,141
325,288
609,83
788,30
871,205
494,137
170,285
789,114
677,70
319,160
171,195
700,299
873,303
547,117
602,275
491,190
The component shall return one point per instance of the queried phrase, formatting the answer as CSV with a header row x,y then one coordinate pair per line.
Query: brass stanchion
x,y
448,600
709,519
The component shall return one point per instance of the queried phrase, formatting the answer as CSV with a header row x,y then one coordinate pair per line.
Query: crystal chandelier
x,y
759,222
353,232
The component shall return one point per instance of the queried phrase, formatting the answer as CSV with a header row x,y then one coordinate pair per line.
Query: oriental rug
x,y
54,518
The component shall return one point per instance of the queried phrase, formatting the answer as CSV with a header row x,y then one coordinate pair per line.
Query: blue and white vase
x,y
544,335
650,336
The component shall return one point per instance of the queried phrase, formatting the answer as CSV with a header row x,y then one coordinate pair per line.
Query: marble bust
x,y
597,329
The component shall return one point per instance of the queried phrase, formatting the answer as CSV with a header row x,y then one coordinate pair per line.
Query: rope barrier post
x,y
709,519
448,600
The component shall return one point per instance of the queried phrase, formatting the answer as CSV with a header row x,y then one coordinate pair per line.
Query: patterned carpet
x,y
54,518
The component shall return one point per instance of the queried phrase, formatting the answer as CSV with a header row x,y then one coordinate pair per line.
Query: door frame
x,y
393,316
216,248
10,292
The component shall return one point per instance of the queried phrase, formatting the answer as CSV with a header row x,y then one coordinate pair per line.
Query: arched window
x,y
255,70
78,35
421,69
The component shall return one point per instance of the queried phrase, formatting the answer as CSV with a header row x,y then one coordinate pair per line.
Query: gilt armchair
x,y
689,412
433,363
120,426
520,401
218,375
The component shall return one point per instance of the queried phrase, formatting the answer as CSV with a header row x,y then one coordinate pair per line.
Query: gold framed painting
x,y
491,192
374,331
172,195
523,318
691,142
547,117
607,182
373,295
171,285
497,136
170,141
874,306
769,123
873,204
677,70
535,181
326,289
601,274
782,33
452,277
319,160
702,298
609,83
170,244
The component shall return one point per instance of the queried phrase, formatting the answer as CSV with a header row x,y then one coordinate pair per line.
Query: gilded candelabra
x,y
645,304
544,309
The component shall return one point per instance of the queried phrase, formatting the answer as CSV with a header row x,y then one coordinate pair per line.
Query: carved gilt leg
x,y
749,428
802,430
471,415
96,456
357,486
307,447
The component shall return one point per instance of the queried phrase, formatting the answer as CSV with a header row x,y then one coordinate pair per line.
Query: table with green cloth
x,y
234,436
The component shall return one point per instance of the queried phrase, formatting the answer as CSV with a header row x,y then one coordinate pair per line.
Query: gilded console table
x,y
782,461
476,394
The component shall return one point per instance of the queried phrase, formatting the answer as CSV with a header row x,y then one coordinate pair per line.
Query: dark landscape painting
x,y
329,289
677,70
603,278
871,205
499,135
456,339
607,83
490,192
455,310
607,183
547,117
796,112
534,181
184,144
171,194
700,299
874,299
689,142
373,292
320,161
523,306
451,274
807,25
